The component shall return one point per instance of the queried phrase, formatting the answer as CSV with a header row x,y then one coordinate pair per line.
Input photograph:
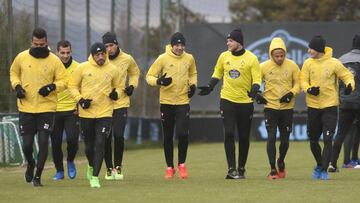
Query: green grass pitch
x,y
144,180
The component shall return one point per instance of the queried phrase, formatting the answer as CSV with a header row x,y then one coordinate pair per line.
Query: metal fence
x,y
143,28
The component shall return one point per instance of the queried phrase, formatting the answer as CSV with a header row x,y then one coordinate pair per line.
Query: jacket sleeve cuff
x,y
14,84
134,84
151,80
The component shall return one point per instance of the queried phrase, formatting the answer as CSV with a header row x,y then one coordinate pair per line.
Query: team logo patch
x,y
242,63
327,73
234,74
285,74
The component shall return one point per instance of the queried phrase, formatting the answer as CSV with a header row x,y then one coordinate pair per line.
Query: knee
x,y
27,147
312,138
284,138
43,141
100,142
229,136
328,136
183,137
89,145
89,149
229,132
285,141
118,137
243,139
271,129
74,139
168,141
72,143
271,138
182,133
314,141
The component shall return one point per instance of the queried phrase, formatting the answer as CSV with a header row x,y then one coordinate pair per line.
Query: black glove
x,y
45,90
286,98
254,91
129,90
205,90
348,89
114,95
20,92
164,81
314,90
85,103
260,99
191,91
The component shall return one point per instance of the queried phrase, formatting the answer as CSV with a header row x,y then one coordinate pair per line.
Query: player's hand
x,y
114,95
286,98
45,90
85,103
164,81
204,90
348,89
20,92
260,99
191,91
254,91
314,91
129,90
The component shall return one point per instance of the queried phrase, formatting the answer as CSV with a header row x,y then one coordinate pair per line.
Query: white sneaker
x,y
357,166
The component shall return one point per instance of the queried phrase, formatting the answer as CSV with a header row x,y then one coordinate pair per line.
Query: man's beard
x,y
100,62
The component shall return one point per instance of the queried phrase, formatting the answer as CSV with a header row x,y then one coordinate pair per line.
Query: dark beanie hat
x,y
97,47
237,36
356,42
317,43
177,38
109,37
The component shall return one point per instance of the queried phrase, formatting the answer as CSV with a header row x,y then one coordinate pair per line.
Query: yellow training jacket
x,y
91,81
279,80
182,69
324,72
65,101
128,68
239,74
32,74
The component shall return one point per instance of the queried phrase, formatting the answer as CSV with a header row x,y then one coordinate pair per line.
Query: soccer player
x,y
175,72
65,119
319,80
126,64
94,85
35,75
240,71
351,147
281,85
349,110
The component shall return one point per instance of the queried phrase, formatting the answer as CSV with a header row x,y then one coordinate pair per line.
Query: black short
x,y
321,121
281,119
31,123
91,126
